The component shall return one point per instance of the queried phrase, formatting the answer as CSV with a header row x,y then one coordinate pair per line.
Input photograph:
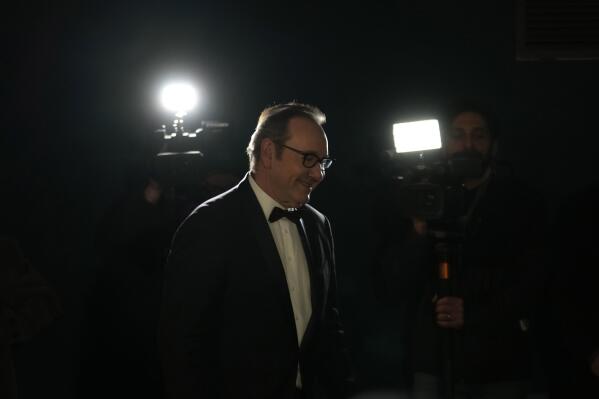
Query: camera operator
x,y
132,242
487,308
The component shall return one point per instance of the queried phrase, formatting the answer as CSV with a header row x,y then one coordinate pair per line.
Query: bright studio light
x,y
179,98
417,136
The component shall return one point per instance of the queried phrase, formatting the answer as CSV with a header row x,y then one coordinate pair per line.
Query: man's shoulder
x,y
317,220
314,214
513,199
514,188
214,209
221,201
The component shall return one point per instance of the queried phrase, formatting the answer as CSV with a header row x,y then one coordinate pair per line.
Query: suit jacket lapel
x,y
312,248
260,231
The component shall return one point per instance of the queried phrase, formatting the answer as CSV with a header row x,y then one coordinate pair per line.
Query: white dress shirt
x,y
293,258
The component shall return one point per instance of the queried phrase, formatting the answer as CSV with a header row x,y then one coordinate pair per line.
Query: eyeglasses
x,y
310,159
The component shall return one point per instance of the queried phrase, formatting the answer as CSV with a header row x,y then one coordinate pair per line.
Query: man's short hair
x,y
273,123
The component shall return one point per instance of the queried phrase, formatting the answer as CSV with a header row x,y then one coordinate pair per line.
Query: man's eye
x,y
310,158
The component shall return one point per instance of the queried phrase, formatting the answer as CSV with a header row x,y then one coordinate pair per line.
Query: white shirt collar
x,y
266,202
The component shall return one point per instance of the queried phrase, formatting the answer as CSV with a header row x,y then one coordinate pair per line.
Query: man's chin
x,y
301,202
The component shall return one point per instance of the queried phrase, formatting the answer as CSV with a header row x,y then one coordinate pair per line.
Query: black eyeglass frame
x,y
325,162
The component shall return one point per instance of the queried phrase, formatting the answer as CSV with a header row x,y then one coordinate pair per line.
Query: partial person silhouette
x,y
27,305
575,355
120,348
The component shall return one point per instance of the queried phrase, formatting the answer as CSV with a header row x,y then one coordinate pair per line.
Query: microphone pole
x,y
444,289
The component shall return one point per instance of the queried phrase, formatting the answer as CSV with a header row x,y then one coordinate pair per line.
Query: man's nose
x,y
468,142
317,172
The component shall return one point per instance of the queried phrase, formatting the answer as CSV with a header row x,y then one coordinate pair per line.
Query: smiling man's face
x,y
289,181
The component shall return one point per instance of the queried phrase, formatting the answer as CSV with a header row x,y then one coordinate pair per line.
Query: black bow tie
x,y
278,213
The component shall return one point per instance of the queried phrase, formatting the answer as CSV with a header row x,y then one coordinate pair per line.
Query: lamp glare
x,y
179,98
417,136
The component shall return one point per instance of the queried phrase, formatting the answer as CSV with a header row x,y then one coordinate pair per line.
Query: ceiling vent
x,y
557,30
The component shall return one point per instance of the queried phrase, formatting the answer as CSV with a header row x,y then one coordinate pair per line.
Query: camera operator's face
x,y
468,132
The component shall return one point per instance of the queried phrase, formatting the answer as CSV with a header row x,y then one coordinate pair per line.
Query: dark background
x,y
79,88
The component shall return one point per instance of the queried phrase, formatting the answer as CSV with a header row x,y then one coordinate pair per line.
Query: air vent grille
x,y
558,30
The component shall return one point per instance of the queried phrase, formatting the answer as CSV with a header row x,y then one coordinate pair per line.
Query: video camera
x,y
427,184
185,157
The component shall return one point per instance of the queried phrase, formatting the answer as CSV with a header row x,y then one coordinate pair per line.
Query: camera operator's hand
x,y
420,226
449,312
152,192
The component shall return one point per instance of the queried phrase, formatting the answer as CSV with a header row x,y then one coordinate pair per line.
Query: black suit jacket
x,y
227,327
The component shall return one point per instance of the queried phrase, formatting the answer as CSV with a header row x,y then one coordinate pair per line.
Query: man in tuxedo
x,y
249,307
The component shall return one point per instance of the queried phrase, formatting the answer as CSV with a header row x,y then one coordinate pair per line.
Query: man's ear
x,y
267,152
